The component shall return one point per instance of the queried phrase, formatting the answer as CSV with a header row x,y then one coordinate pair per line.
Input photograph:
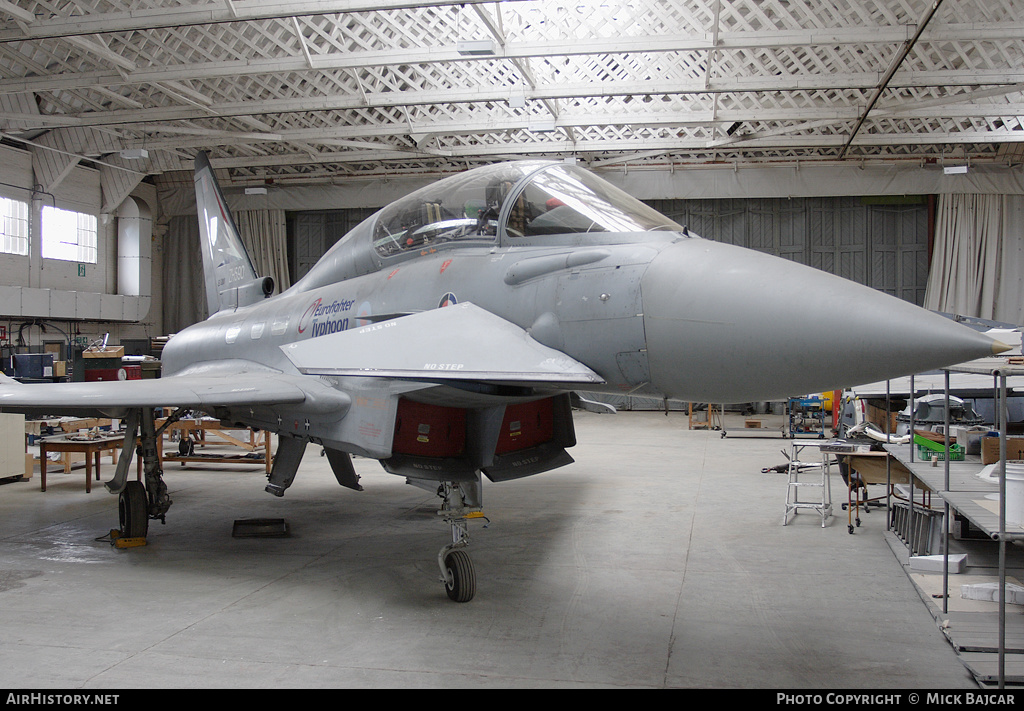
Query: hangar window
x,y
69,235
566,200
13,226
462,207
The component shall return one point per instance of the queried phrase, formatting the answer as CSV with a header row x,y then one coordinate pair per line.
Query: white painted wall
x,y
74,296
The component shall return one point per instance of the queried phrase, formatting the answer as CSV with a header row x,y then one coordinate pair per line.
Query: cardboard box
x,y
969,437
752,424
990,449
876,416
30,465
108,352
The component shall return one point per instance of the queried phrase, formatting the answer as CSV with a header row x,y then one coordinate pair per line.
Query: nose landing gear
x,y
457,571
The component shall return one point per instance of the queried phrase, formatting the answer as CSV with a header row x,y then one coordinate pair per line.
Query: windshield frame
x,y
439,230
620,199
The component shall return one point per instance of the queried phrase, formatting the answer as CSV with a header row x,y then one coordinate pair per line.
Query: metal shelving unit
x,y
960,490
806,416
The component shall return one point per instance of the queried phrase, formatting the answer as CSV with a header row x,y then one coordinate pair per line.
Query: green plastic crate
x,y
928,449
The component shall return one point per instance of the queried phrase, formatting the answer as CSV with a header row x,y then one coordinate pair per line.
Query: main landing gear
x,y
137,503
458,507
132,514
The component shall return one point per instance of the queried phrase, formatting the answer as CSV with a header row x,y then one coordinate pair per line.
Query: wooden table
x,y
871,468
92,448
258,444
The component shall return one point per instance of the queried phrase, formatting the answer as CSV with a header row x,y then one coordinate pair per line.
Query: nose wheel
x,y
459,576
457,571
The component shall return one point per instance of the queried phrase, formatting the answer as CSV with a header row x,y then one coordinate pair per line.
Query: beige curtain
x,y
264,235
184,290
978,257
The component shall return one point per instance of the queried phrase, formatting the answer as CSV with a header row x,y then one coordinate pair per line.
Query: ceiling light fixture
x,y
475,48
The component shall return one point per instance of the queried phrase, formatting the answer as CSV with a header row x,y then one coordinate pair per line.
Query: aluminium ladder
x,y
816,476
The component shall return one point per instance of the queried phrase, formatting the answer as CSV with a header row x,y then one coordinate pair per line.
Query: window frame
x,y
7,219
85,223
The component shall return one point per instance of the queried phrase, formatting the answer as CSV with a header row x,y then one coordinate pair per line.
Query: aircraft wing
x,y
201,389
459,342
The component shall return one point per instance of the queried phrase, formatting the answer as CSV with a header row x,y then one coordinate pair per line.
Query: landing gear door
x,y
533,439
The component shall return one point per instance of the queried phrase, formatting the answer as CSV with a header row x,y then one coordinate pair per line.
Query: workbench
x,y
91,445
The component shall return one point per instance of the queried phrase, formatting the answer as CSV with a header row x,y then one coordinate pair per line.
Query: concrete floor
x,y
657,560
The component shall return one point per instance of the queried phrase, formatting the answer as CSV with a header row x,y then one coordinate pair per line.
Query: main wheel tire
x,y
132,510
461,584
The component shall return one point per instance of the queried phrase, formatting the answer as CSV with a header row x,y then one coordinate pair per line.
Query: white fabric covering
x,y
978,257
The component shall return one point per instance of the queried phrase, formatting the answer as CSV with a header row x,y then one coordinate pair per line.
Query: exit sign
x,y
81,270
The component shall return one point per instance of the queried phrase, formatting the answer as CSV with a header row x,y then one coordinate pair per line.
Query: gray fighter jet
x,y
443,335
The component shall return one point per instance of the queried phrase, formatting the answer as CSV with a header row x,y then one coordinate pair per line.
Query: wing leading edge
x,y
200,390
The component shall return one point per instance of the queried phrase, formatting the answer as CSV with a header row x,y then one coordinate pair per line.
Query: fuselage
x,y
593,273
576,291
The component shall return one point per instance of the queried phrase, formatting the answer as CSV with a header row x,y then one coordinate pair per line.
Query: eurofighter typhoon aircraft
x,y
443,335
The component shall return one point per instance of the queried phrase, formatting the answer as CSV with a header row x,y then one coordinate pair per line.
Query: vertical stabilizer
x,y
231,279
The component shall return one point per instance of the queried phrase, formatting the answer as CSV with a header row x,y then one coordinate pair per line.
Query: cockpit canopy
x,y
513,201
508,204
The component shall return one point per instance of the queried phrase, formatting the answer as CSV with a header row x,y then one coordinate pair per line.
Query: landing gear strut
x,y
157,500
457,571
137,503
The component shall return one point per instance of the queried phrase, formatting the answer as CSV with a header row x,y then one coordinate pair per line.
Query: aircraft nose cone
x,y
727,324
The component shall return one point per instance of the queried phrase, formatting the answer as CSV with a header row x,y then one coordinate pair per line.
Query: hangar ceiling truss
x,y
308,91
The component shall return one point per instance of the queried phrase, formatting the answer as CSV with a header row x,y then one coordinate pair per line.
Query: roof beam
x,y
186,15
341,102
805,120
632,145
890,72
20,14
508,50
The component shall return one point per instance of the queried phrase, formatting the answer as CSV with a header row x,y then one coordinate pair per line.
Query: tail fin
x,y
231,279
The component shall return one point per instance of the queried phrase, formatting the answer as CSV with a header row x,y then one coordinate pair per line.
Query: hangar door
x,y
312,233
877,242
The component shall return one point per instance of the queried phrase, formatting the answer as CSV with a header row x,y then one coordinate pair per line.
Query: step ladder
x,y
812,477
